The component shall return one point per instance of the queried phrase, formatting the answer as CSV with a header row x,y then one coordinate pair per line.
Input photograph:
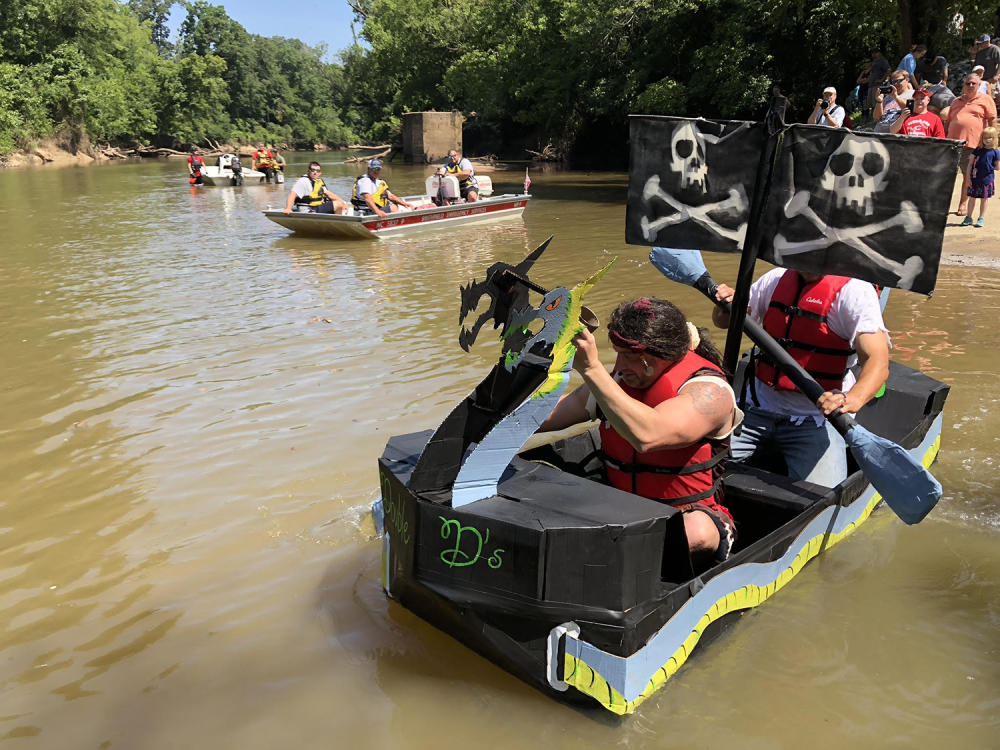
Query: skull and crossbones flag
x,y
690,182
866,205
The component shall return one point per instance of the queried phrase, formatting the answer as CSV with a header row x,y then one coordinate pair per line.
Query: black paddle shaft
x,y
796,373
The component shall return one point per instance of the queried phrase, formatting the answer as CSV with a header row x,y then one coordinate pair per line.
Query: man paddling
x,y
827,324
666,416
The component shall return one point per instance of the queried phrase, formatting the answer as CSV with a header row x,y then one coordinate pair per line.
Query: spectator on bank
x,y
864,83
988,55
981,168
916,120
970,113
880,73
984,86
890,100
936,81
827,111
909,62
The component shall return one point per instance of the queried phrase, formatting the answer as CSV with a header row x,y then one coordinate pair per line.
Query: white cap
x,y
978,67
830,90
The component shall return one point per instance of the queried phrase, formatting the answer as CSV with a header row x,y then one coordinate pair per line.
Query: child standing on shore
x,y
984,162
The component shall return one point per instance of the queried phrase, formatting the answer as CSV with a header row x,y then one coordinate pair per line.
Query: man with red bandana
x,y
666,414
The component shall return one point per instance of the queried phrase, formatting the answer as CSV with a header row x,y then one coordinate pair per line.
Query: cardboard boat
x,y
580,589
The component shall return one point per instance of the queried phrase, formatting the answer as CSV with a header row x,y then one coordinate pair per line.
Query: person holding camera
x,y
827,111
890,100
916,120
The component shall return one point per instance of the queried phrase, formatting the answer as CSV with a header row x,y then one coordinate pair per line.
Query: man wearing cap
x,y
827,111
988,55
969,114
372,193
984,85
916,120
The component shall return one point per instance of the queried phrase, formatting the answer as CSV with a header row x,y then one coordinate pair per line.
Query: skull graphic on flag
x,y
690,182
866,205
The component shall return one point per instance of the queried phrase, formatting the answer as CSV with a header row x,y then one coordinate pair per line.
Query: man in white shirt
x,y
828,324
372,193
827,111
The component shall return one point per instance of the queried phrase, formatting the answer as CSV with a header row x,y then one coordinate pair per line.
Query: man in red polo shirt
x,y
970,113
919,121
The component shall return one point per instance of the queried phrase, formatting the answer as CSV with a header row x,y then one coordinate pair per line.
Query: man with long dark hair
x,y
666,413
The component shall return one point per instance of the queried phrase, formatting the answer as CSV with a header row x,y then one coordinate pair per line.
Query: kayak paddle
x,y
905,485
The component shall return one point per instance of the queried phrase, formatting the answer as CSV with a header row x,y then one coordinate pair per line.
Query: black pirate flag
x,y
691,181
866,205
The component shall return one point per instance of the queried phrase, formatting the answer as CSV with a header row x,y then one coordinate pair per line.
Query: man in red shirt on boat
x,y
371,192
263,161
827,324
666,411
195,165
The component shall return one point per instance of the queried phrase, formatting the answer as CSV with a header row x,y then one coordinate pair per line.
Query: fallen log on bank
x,y
353,159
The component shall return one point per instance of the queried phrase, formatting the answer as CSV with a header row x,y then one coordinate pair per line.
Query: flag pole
x,y
775,124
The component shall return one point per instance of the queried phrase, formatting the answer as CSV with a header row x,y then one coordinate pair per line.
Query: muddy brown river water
x,y
193,403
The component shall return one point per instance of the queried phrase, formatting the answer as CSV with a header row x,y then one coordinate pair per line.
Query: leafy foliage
x,y
526,73
107,70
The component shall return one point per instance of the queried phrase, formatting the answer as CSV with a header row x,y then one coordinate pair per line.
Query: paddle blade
x,y
905,485
683,266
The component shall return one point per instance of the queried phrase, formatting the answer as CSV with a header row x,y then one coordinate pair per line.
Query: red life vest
x,y
196,163
797,319
677,475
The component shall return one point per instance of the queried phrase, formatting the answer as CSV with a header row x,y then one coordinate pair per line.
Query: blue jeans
x,y
814,453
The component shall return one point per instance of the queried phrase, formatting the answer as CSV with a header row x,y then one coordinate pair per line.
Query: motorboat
x,y
229,171
439,206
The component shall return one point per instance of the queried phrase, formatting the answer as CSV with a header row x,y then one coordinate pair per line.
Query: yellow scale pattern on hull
x,y
583,677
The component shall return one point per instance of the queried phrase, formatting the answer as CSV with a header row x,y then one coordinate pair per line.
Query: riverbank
x,y
56,153
963,246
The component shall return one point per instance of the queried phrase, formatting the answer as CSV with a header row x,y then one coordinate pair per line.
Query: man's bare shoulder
x,y
710,399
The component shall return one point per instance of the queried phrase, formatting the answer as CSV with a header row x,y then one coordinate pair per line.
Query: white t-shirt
x,y
854,311
464,165
367,185
302,187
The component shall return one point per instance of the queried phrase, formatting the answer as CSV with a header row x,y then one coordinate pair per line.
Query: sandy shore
x,y
971,246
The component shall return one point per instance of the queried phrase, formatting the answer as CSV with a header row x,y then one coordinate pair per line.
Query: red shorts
x,y
722,519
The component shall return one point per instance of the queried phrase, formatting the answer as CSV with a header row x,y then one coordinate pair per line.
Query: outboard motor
x,y
237,178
